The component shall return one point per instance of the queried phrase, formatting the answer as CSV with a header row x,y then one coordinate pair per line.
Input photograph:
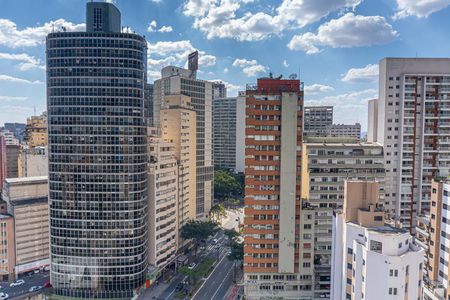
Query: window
x,y
376,246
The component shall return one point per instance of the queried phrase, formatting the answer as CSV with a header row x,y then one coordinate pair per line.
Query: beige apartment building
x,y
27,202
33,162
7,247
36,131
162,202
178,126
326,164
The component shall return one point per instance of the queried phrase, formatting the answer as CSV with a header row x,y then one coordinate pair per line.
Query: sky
x,y
333,46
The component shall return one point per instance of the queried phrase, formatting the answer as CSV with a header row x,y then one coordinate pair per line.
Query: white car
x,y
35,288
191,266
17,283
3,296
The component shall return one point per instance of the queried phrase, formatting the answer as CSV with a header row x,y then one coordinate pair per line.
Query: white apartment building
x,y
162,202
414,127
370,260
176,81
372,121
33,162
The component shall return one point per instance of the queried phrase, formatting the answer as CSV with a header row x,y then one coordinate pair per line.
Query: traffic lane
x,y
34,280
215,280
225,285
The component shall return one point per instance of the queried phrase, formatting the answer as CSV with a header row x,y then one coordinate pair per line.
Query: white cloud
x,y
317,88
367,73
153,27
225,70
18,80
165,29
12,98
348,31
219,18
355,101
12,37
165,53
419,8
251,68
285,64
27,62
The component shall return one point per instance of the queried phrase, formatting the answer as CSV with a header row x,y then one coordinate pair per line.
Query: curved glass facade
x,y
97,163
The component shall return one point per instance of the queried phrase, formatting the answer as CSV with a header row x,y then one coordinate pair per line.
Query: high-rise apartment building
x,y
178,127
33,162
3,163
413,119
372,121
433,235
97,139
162,202
149,103
219,90
12,160
35,134
316,119
179,81
326,165
274,109
10,139
229,140
372,260
344,130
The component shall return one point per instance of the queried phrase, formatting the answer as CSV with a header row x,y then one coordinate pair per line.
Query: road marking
x,y
221,283
193,296
168,297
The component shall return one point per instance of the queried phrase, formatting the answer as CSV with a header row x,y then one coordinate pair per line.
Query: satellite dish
x,y
293,76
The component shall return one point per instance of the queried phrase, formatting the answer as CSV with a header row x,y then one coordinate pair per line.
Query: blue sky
x,y
334,45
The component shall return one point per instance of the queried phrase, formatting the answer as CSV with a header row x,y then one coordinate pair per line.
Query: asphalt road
x,y
34,280
218,282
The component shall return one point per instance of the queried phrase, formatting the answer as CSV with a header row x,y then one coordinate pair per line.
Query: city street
x,y
34,280
233,219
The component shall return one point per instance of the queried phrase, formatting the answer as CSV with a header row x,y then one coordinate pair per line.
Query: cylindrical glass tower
x,y
97,163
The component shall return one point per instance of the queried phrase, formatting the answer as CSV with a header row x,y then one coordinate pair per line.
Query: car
x,y
47,285
3,296
46,268
35,288
179,287
202,248
18,282
192,266
214,241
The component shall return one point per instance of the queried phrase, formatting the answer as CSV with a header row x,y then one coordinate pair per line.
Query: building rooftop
x,y
387,229
26,180
343,144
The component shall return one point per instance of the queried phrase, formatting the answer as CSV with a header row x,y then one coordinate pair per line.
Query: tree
x,y
198,230
217,212
232,235
190,274
227,184
236,254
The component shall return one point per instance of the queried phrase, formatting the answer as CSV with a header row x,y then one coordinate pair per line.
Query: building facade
x,y
274,109
325,167
316,120
179,81
162,202
372,121
372,260
97,139
27,202
33,162
433,235
35,134
179,127
12,160
219,90
413,126
344,130
3,163
228,115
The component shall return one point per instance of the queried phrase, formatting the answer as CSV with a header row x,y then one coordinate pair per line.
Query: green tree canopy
x,y
217,212
237,251
198,230
227,184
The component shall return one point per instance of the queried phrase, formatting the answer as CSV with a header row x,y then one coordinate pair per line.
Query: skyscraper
x,y
316,120
413,126
229,132
97,158
272,188
219,90
176,81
